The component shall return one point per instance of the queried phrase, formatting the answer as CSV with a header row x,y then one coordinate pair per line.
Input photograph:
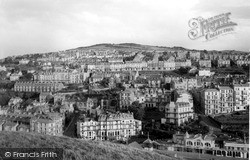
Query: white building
x,y
169,65
243,62
211,101
200,141
218,101
181,110
238,150
3,68
242,96
62,75
184,83
24,61
205,72
15,76
226,99
111,126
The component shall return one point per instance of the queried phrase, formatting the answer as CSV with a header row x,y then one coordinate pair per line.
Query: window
x,y
190,143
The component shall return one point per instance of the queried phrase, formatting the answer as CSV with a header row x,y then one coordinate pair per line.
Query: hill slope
x,y
77,149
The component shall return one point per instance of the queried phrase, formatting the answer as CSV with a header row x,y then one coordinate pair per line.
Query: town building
x,y
195,55
109,126
15,76
62,75
169,65
51,124
182,63
200,141
34,86
211,102
205,72
127,97
226,99
237,150
242,96
180,110
9,126
15,101
3,68
243,62
208,144
205,63
184,83
218,101
224,63
24,61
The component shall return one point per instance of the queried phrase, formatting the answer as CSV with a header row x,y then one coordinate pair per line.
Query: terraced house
x,y
61,75
33,86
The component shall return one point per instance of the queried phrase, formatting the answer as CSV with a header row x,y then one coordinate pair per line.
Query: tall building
x,y
109,126
218,101
242,96
211,101
180,110
226,99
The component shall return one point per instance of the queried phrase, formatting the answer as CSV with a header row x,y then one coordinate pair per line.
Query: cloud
x,y
239,9
28,26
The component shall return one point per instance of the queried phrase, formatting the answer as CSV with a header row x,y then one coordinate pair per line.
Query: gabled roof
x,y
135,145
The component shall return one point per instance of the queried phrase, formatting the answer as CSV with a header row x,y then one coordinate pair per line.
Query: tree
x,y
232,63
182,70
105,82
27,77
49,99
3,75
4,99
137,110
246,68
214,63
17,68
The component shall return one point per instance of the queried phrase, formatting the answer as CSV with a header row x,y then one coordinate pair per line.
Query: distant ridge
x,y
134,47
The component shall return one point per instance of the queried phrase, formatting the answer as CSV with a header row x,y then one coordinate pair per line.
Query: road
x,y
70,131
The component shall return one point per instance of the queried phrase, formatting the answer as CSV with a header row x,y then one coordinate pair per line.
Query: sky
x,y
38,26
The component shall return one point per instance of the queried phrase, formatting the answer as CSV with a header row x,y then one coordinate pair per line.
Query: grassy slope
x,y
77,149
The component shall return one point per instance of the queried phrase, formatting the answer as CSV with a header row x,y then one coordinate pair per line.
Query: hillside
x,y
125,46
75,149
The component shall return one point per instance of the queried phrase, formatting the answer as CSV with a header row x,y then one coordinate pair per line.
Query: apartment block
x,y
218,101
211,101
241,96
226,99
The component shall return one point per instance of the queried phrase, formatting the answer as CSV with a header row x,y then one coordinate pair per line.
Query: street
x,y
70,131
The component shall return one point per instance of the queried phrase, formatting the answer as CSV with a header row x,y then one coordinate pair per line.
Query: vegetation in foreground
x,y
75,149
